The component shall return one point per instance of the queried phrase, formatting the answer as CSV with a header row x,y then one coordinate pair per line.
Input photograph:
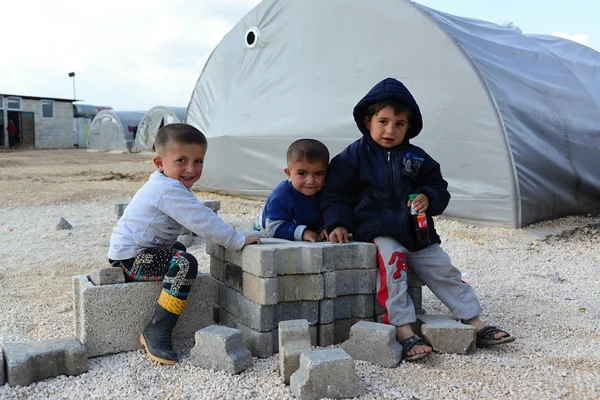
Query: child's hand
x,y
323,235
339,235
420,204
252,240
310,236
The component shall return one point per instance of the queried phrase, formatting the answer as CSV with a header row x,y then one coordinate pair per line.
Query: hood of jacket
x,y
389,89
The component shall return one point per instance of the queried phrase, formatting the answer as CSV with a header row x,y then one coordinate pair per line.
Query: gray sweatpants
x,y
434,268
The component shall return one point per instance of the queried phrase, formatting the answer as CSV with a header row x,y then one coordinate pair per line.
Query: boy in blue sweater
x,y
367,194
293,210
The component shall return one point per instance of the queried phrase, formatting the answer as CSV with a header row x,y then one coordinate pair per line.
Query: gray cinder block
x,y
344,307
120,208
265,317
326,373
294,339
268,291
337,331
375,343
445,334
110,318
221,348
35,361
107,276
63,225
2,373
352,255
350,281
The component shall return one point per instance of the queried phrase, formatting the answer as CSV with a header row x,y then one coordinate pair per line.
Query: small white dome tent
x,y
113,130
512,119
153,120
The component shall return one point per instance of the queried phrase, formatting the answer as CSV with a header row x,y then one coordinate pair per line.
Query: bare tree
x,y
511,25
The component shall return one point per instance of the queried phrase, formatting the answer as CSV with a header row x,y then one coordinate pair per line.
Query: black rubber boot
x,y
156,337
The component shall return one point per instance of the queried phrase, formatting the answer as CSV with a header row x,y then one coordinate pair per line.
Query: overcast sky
x,y
132,54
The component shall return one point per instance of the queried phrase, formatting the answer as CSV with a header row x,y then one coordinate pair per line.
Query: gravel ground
x,y
544,291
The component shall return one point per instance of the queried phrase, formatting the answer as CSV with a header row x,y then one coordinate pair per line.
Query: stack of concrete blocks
x,y
30,362
110,315
221,349
332,286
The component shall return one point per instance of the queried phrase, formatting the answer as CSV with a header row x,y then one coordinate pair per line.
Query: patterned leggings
x,y
175,267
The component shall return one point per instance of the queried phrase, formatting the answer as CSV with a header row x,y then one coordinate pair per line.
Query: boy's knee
x,y
193,265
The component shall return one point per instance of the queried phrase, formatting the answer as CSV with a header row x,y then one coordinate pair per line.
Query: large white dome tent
x,y
153,120
511,119
113,130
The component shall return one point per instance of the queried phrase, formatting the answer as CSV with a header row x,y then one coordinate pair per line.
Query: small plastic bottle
x,y
419,220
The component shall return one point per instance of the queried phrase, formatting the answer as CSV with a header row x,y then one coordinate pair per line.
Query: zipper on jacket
x,y
392,176
389,154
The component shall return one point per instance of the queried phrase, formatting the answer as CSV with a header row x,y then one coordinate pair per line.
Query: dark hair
x,y
397,105
307,150
179,133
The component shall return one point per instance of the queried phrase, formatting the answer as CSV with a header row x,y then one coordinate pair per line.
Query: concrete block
x,y
268,291
186,237
337,332
294,339
107,276
416,295
110,318
413,280
350,281
120,208
35,361
375,343
353,255
344,307
265,317
445,334
326,374
222,349
260,344
214,205
2,373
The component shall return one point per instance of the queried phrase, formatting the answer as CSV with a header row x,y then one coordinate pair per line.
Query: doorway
x,y
26,127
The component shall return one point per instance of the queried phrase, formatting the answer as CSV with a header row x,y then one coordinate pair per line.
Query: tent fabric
x,y
113,130
153,120
511,118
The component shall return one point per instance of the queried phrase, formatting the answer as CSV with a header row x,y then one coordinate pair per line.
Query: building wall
x,y
52,133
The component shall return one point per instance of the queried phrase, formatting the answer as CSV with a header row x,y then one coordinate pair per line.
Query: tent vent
x,y
252,37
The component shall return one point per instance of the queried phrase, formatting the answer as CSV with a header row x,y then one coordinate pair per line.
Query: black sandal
x,y
408,344
485,337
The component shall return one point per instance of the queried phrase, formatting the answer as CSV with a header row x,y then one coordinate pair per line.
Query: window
x,y
1,102
47,109
13,103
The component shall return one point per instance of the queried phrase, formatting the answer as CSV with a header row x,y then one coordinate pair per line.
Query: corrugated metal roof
x,y
38,97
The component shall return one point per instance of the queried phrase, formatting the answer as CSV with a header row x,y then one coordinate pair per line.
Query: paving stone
x,y
2,373
294,339
349,282
222,349
35,361
375,343
268,291
120,208
326,374
352,255
107,276
63,225
260,344
186,237
265,317
344,307
445,334
337,332
110,318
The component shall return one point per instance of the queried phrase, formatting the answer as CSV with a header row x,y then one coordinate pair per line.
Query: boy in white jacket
x,y
144,242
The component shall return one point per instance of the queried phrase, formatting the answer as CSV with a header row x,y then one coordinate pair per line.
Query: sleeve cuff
x,y
299,231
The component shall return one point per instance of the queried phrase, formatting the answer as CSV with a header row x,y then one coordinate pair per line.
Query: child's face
x,y
387,128
183,162
307,177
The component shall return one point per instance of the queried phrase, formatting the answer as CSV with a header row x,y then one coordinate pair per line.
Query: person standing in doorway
x,y
13,134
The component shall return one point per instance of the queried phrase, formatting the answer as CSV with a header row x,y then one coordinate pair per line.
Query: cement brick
x,y
353,255
35,361
110,318
265,317
445,334
107,276
344,307
2,373
349,282
120,208
260,344
338,331
268,291
326,374
215,250
413,280
294,339
222,349
186,238
416,295
375,343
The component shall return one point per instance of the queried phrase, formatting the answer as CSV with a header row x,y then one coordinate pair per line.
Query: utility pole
x,y
72,75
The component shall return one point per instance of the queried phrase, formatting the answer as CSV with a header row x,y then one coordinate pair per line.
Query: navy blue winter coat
x,y
367,185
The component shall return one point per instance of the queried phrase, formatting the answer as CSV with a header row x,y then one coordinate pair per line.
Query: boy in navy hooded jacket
x,y
366,193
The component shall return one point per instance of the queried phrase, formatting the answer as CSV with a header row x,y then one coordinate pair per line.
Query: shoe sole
x,y
158,359
494,342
